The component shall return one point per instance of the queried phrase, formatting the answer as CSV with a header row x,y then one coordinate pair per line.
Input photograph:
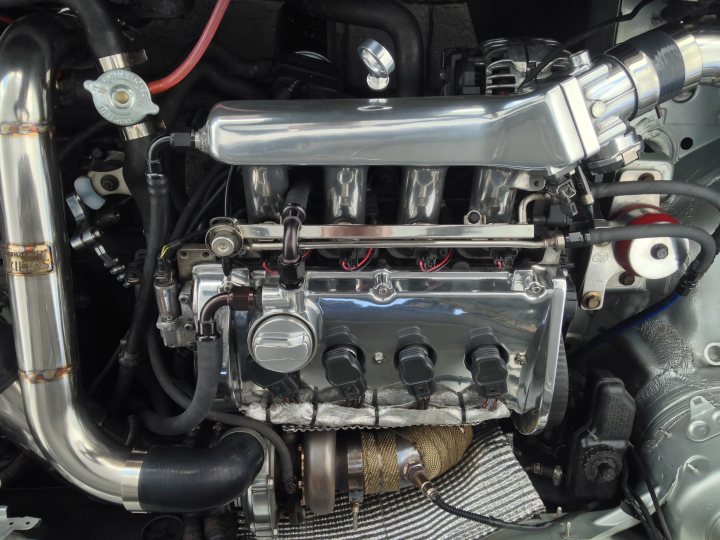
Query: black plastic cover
x,y
489,371
417,370
344,370
280,385
598,446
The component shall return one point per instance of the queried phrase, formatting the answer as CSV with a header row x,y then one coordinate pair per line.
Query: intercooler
x,y
487,479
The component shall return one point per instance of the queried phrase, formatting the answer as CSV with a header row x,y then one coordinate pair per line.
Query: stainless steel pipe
x,y
535,131
265,189
421,194
36,255
345,194
36,259
13,422
548,130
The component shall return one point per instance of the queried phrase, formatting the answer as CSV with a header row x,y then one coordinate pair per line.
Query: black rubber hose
x,y
199,215
134,174
658,187
291,239
299,194
225,85
389,16
236,67
212,178
157,187
487,520
105,39
171,389
617,234
181,480
102,34
209,362
80,138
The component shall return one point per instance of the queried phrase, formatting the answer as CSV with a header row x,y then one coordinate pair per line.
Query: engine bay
x,y
379,269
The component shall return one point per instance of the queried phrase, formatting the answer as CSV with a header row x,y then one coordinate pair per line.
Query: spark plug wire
x,y
208,33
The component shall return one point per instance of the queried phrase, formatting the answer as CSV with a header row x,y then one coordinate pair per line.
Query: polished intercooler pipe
x,y
548,130
36,259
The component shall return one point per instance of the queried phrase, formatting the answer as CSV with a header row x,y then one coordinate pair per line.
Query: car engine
x,y
380,269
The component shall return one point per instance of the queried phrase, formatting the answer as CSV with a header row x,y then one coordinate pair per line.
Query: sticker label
x,y
28,260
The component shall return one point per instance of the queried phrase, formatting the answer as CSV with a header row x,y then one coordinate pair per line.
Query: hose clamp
x,y
136,131
122,60
130,482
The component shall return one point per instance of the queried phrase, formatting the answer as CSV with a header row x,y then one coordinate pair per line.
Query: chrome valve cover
x,y
379,313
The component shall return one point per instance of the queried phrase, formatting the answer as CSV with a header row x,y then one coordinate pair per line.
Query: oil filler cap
x,y
282,343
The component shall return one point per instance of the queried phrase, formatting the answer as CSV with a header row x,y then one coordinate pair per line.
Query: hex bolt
x,y
184,299
659,251
383,290
189,326
378,358
532,286
592,300
520,359
627,279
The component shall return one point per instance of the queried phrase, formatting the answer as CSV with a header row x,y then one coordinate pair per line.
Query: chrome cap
x,y
379,63
282,343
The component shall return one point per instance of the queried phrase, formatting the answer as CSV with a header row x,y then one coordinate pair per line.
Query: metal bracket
x,y
604,273
90,237
8,525
704,420
109,182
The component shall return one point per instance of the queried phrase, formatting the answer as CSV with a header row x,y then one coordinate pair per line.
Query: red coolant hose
x,y
166,83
